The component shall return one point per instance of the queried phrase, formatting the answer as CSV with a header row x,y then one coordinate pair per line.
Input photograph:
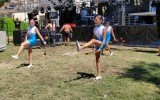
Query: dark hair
x,y
99,16
106,22
31,19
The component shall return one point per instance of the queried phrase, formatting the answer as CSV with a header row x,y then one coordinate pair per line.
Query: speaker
x,y
59,39
84,22
3,42
18,37
103,8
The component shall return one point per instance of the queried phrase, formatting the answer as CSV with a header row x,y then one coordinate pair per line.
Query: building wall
x,y
21,16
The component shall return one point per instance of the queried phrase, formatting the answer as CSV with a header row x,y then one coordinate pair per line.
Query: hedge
x,y
11,27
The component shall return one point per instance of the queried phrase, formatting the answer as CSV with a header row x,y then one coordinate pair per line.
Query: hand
x,y
98,51
45,43
115,40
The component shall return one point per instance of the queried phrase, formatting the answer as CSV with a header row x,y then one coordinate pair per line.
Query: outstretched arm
x,y
40,36
61,29
112,32
47,26
26,36
71,29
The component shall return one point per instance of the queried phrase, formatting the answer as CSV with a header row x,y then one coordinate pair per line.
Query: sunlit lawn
x,y
132,73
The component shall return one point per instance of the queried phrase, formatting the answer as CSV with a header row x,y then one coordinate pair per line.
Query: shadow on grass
x,y
117,49
143,71
22,65
87,53
146,51
82,75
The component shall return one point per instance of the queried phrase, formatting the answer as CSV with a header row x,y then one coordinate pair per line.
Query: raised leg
x,y
22,47
90,43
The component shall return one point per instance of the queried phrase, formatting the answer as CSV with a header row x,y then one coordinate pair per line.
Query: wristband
x,y
100,48
43,41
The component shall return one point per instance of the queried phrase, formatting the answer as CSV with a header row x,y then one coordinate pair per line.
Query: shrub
x,y
9,26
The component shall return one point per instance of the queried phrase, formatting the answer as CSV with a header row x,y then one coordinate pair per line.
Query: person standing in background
x,y
67,30
51,26
109,32
153,6
17,24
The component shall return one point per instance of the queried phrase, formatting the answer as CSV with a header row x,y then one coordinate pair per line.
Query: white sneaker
x,y
111,54
29,66
78,46
98,78
14,56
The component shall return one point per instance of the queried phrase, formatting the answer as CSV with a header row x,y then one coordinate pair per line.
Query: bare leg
x,y
30,55
68,39
65,40
22,47
108,47
90,43
98,64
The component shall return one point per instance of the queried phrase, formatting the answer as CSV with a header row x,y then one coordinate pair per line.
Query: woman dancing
x,y
99,41
110,31
31,36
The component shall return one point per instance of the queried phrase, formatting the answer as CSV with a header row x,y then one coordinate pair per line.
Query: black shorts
x,y
66,34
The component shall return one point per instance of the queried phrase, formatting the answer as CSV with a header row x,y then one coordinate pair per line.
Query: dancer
x,y
67,29
99,41
32,31
108,36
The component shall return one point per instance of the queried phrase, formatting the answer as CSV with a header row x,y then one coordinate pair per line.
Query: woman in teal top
x,y
31,36
110,32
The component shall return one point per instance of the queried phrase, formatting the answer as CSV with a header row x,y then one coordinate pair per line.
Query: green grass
x,y
132,73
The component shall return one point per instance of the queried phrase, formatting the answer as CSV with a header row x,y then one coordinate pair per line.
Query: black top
x,y
17,24
153,4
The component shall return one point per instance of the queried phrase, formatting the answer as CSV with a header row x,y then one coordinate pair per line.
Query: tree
x,y
2,1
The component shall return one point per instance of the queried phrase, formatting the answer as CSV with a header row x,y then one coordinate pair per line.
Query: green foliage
x,y
24,26
9,26
2,1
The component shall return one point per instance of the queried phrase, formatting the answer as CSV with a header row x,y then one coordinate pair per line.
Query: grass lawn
x,y
132,73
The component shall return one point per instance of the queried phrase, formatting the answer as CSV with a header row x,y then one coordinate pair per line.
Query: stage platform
x,y
132,34
138,35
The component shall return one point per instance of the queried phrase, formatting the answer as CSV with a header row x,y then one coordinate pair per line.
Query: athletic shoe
x,y
78,46
98,78
14,56
29,66
111,54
